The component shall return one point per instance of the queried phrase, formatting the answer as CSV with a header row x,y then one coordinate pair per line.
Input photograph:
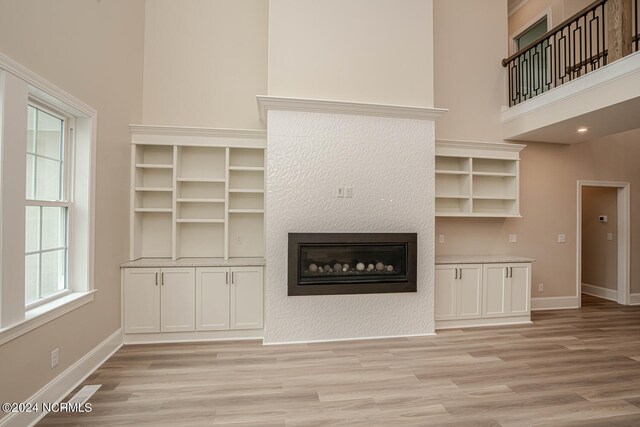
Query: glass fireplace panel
x,y
352,263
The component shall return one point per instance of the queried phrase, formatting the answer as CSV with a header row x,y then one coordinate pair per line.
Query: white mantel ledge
x,y
266,103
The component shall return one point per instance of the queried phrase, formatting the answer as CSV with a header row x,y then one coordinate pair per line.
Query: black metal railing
x,y
570,50
636,28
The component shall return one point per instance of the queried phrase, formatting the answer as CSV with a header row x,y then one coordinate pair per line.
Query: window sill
x,y
45,313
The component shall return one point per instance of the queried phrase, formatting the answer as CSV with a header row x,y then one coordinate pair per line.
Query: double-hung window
x,y
47,173
47,205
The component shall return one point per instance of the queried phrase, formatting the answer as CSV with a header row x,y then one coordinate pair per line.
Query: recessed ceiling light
x,y
583,130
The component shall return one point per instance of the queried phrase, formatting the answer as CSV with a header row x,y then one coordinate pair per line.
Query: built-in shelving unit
x,y
477,179
197,193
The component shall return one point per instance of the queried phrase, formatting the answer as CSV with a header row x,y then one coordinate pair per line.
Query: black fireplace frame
x,y
298,239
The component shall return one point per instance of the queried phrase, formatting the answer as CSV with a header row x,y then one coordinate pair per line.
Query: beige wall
x,y
599,255
204,62
93,50
532,10
377,51
469,78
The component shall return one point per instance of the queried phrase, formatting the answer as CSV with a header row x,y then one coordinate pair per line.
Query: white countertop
x,y
194,262
481,259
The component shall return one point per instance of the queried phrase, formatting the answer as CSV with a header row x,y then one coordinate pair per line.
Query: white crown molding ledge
x,y
137,129
266,103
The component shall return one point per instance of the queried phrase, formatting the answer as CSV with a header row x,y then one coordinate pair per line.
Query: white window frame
x,y
20,87
67,198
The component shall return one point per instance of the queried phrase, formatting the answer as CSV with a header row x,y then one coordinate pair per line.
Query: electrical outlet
x,y
55,358
609,236
540,287
348,192
239,240
441,238
562,238
513,238
340,192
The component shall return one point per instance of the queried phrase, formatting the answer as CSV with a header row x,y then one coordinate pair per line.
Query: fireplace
x,y
351,263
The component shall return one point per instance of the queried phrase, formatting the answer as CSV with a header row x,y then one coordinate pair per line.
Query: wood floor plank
x,y
569,368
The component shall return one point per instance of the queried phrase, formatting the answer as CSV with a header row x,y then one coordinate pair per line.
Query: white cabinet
x,y
477,179
507,290
482,294
197,193
159,300
141,300
457,291
213,294
229,298
246,297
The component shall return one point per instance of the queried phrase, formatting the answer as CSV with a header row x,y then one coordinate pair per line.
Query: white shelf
x,y
451,172
246,168
154,189
198,200
246,190
477,179
497,174
249,211
452,196
200,221
201,180
154,210
153,166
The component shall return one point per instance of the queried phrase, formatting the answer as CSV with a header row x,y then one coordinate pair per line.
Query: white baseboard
x,y
554,303
635,299
64,383
197,336
477,323
348,339
600,292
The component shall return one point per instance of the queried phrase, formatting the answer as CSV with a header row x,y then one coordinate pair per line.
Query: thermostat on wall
x,y
603,219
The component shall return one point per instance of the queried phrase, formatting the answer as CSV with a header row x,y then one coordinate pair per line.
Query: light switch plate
x,y
609,236
348,192
340,192
562,238
513,238
441,238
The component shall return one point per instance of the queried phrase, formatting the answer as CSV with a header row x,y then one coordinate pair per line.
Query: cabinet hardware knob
x,y
156,279
461,273
226,277
456,270
162,279
232,278
510,271
506,272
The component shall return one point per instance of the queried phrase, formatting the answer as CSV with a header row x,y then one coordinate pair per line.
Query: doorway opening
x,y
603,240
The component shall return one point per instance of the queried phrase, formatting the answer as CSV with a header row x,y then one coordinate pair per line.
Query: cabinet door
x,y
520,290
445,292
212,298
141,300
178,308
495,290
246,297
469,291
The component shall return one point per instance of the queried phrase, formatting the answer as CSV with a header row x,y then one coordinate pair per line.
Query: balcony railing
x,y
570,50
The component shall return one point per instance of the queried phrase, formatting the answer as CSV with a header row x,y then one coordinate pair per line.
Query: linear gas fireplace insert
x,y
351,263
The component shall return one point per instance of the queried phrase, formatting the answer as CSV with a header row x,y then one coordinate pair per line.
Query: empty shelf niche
x,y
153,179
452,206
494,187
495,207
494,167
153,235
153,201
190,191
198,239
246,203
154,156
201,164
452,165
246,158
194,212
246,235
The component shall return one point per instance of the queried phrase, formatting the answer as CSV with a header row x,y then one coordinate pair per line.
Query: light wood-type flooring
x,y
570,368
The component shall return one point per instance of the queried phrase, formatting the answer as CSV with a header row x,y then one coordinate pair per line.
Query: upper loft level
x,y
576,80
